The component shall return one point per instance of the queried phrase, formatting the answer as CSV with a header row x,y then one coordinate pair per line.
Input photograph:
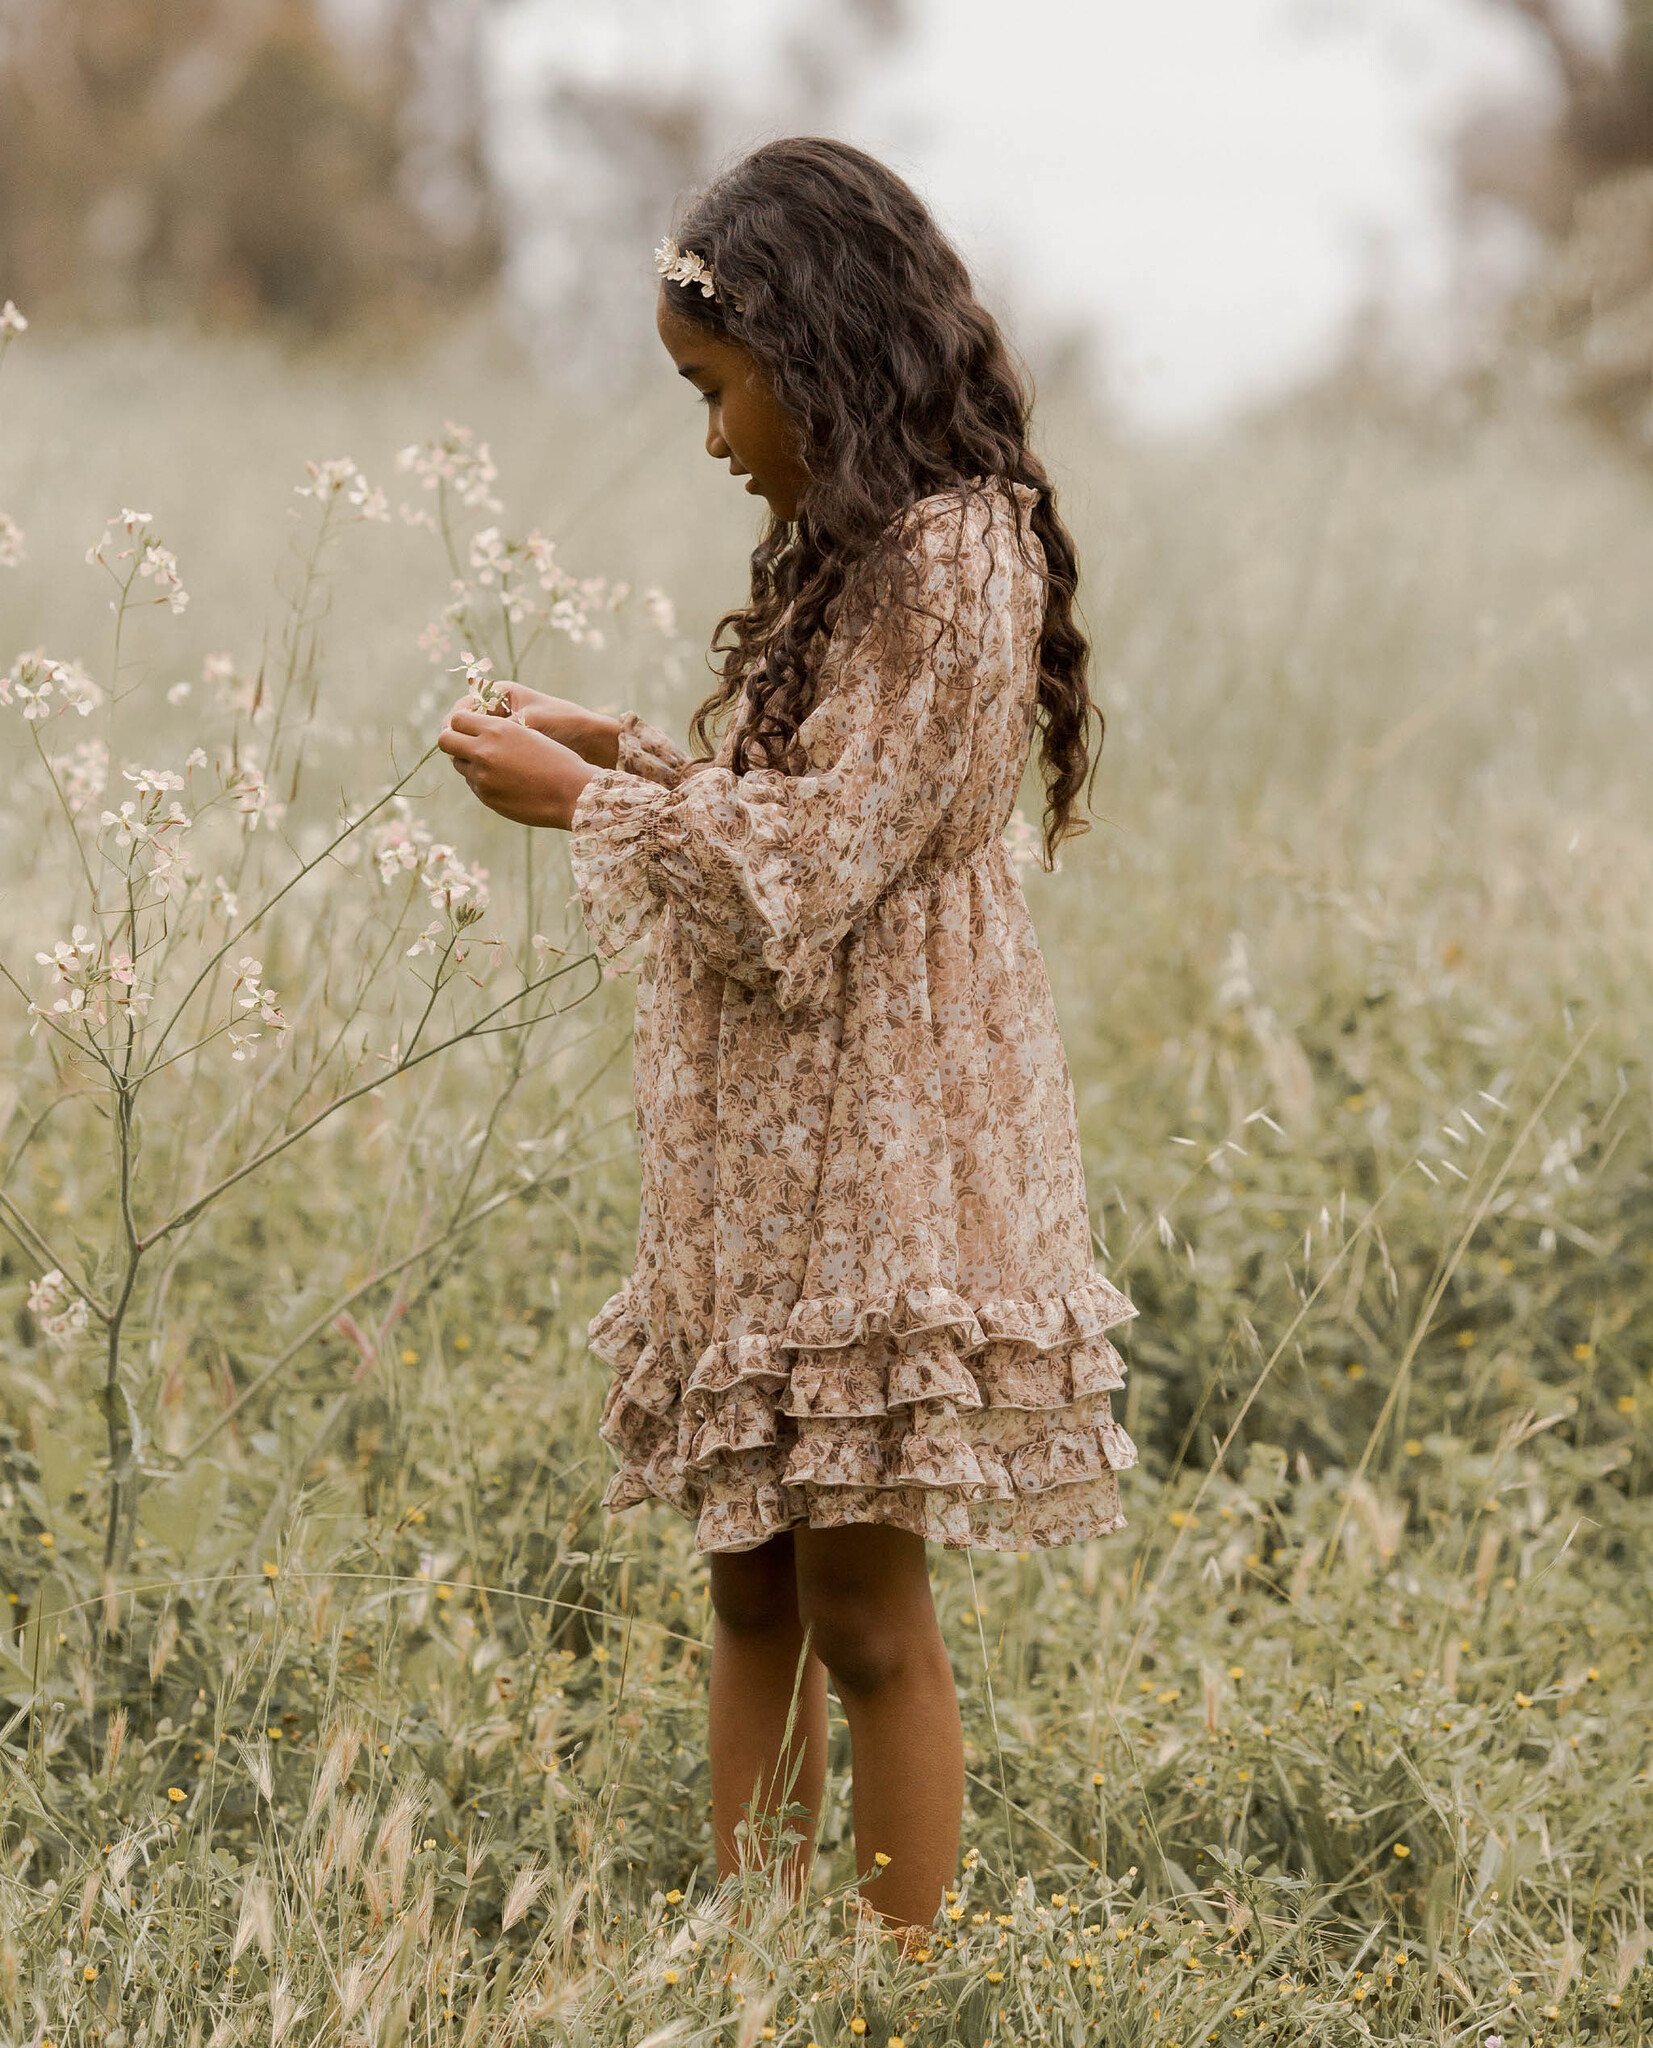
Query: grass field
x,y
331,1707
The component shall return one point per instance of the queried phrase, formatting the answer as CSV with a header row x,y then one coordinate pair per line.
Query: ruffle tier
x,y
971,1424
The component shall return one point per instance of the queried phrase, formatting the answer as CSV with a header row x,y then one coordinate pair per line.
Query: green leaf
x,y
63,1463
172,1512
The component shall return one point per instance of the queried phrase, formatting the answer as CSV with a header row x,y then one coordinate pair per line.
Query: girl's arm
x,y
533,772
767,872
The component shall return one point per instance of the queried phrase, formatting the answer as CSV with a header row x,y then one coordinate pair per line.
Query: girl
x,y
863,1313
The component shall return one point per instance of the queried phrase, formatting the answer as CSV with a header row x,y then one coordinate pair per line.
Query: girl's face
x,y
746,424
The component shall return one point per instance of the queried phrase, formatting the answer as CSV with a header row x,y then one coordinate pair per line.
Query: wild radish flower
x,y
488,555
34,676
327,479
12,322
152,781
169,868
399,844
341,478
251,995
11,542
449,882
129,993
179,692
458,460
67,957
225,901
236,692
1021,841
436,640
252,795
84,774
161,564
427,941
61,1313
662,612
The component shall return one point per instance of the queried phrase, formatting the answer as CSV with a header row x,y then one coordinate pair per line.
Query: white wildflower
x,y
11,542
662,612
61,1313
241,1044
488,555
250,994
370,502
428,940
253,796
85,774
195,758
450,884
169,867
11,321
399,844
130,994
66,957
459,461
327,479
436,640
225,901
128,827
1022,842
178,692
161,564
76,687
153,781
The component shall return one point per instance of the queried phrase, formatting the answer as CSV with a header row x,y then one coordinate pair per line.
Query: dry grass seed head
x,y
526,1887
257,1921
395,1843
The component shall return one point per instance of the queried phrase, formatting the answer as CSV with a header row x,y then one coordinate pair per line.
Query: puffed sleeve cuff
x,y
611,843
724,850
644,750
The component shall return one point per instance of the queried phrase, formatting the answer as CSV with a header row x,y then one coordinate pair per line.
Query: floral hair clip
x,y
683,266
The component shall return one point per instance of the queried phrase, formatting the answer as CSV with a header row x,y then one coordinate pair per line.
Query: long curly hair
x,y
832,274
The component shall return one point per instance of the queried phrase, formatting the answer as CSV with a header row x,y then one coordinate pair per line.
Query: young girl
x,y
863,1314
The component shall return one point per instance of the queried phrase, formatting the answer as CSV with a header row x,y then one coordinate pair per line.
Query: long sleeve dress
x,y
863,1288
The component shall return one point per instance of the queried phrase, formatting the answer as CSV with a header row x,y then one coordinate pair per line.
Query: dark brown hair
x,y
832,273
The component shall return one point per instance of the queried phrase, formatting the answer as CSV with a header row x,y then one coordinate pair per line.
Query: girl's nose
x,y
716,447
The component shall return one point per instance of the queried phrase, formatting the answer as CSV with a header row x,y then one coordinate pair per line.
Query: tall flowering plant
x,y
220,964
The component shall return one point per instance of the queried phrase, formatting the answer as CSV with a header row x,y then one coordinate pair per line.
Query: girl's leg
x,y
756,1644
864,1592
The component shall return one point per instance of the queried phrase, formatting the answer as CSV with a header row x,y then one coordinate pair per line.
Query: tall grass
x,y
383,1732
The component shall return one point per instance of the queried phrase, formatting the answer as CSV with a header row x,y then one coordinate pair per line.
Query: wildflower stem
x,y
403,1066
1443,1279
314,1328
26,1234
234,938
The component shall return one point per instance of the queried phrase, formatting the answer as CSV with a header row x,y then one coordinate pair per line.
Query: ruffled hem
x,y
984,1410
752,1514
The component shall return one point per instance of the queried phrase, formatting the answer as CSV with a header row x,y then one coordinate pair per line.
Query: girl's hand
x,y
524,775
591,735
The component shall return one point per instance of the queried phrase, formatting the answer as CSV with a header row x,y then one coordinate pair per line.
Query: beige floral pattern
x,y
864,1287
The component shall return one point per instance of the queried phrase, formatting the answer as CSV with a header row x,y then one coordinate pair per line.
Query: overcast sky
x,y
1209,188
1215,184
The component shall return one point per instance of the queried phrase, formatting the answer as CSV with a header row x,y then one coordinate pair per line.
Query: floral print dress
x,y
863,1288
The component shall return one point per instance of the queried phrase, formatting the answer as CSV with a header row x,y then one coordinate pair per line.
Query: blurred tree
x,y
1588,186
599,123
224,157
